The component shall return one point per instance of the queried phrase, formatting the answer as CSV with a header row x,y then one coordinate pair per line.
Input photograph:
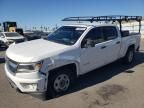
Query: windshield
x,y
67,35
12,34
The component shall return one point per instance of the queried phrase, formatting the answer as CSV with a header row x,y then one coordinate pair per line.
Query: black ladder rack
x,y
110,18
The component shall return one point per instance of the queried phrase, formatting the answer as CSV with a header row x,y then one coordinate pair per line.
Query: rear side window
x,y
110,33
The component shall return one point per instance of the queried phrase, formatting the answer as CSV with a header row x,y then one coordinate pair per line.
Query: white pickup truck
x,y
50,65
7,38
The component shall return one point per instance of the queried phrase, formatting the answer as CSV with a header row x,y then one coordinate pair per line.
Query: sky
x,y
51,12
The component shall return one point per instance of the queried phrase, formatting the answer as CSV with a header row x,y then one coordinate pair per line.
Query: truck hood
x,y
33,51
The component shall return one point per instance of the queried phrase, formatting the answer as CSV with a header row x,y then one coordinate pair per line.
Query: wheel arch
x,y
129,46
72,66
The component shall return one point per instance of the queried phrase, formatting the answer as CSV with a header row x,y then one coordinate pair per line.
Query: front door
x,y
92,50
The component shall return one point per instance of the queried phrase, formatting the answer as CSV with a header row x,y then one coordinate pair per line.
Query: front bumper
x,y
29,85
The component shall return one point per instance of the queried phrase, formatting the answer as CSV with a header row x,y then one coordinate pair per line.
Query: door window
x,y
110,33
93,37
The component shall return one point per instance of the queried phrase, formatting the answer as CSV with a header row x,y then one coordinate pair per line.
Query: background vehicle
x,y
31,36
35,35
51,65
7,38
20,31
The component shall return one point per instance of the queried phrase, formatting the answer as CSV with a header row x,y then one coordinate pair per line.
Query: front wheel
x,y
59,82
129,57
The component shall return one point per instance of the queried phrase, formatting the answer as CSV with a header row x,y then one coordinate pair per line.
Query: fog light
x,y
29,85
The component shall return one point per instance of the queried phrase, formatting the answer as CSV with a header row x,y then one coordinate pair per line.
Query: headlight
x,y
29,67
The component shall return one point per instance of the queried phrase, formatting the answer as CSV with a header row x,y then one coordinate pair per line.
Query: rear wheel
x,y
59,82
129,57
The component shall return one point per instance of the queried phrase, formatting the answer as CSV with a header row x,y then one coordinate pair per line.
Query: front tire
x,y
59,82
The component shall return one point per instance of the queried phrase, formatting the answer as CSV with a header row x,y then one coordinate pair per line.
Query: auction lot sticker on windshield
x,y
80,28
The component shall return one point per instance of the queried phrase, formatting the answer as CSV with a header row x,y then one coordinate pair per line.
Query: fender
x,y
127,42
132,43
63,60
59,61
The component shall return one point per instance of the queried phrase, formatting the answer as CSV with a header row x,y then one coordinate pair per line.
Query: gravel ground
x,y
113,86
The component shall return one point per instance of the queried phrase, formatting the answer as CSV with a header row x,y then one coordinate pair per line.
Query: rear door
x,y
112,43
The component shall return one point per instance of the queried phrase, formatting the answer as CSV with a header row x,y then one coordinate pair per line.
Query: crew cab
x,y
7,38
50,65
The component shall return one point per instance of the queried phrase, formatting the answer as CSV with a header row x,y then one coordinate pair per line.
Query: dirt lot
x,y
113,86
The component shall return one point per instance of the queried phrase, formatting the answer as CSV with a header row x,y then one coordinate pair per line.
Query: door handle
x,y
103,47
118,42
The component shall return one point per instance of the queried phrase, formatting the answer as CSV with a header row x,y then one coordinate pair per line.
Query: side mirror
x,y
87,43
